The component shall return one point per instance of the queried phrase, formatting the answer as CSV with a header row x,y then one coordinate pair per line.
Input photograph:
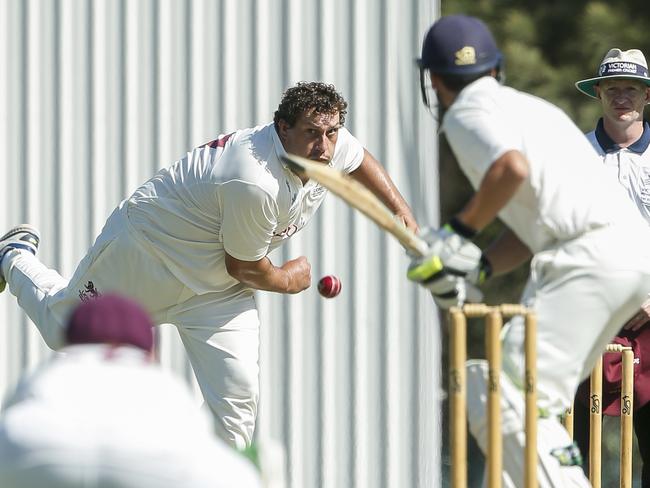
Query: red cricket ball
x,y
329,286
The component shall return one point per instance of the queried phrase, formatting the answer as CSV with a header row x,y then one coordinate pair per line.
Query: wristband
x,y
461,229
485,267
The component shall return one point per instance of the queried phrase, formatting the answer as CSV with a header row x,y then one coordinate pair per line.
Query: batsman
x,y
590,270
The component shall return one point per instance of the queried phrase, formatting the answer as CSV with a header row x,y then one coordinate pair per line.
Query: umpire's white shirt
x,y
629,165
233,194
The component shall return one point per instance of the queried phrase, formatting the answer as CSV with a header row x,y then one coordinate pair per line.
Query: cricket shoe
x,y
23,237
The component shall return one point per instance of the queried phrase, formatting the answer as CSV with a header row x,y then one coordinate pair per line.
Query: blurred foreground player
x,y
103,414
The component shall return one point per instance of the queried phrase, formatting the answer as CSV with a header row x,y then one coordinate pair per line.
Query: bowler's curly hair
x,y
310,96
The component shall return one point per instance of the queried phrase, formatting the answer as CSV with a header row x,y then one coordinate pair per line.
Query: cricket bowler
x,y
191,244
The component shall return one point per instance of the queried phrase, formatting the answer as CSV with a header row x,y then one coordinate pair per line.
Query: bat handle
x,y
413,243
420,247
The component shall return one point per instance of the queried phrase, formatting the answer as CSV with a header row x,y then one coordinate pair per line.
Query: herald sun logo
x,y
317,191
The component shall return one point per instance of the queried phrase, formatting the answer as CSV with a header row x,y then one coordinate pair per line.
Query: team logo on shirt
x,y
465,56
89,292
644,184
317,191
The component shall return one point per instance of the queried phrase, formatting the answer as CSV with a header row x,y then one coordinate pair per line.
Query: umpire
x,y
621,139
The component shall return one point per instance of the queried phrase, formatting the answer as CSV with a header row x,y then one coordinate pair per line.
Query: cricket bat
x,y
358,196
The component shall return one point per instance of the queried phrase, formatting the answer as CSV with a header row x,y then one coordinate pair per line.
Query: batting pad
x,y
550,433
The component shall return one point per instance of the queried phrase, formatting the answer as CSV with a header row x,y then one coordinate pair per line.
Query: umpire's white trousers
x,y
220,331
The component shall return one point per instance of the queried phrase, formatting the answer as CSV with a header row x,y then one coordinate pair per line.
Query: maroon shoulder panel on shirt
x,y
221,142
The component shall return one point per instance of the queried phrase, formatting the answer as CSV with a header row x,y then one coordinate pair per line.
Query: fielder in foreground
x,y
590,272
103,413
191,244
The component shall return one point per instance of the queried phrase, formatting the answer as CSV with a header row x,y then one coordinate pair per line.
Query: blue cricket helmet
x,y
459,45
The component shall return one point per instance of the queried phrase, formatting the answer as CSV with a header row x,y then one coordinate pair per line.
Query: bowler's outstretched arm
x,y
374,177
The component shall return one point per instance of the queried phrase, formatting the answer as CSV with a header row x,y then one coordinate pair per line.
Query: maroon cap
x,y
110,319
639,341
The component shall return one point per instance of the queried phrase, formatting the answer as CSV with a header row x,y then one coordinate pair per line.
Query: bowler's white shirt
x,y
629,165
568,191
234,195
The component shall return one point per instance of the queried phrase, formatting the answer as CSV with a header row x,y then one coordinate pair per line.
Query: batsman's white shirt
x,y
591,265
164,247
99,415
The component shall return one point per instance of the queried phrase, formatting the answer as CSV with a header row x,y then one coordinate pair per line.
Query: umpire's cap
x,y
459,45
110,319
630,64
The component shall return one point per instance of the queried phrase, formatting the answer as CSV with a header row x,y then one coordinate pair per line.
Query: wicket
x,y
457,388
595,417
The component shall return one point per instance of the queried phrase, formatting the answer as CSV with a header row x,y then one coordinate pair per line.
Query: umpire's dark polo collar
x,y
609,146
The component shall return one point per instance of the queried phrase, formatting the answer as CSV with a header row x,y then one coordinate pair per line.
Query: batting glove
x,y
452,259
448,250
456,296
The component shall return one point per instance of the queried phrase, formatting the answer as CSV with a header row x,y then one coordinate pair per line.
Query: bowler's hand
x,y
299,271
292,277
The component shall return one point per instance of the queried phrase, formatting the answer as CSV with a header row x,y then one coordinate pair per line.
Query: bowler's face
x,y
623,100
313,136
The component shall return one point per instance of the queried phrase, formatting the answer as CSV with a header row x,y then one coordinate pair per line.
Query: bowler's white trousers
x,y
220,331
